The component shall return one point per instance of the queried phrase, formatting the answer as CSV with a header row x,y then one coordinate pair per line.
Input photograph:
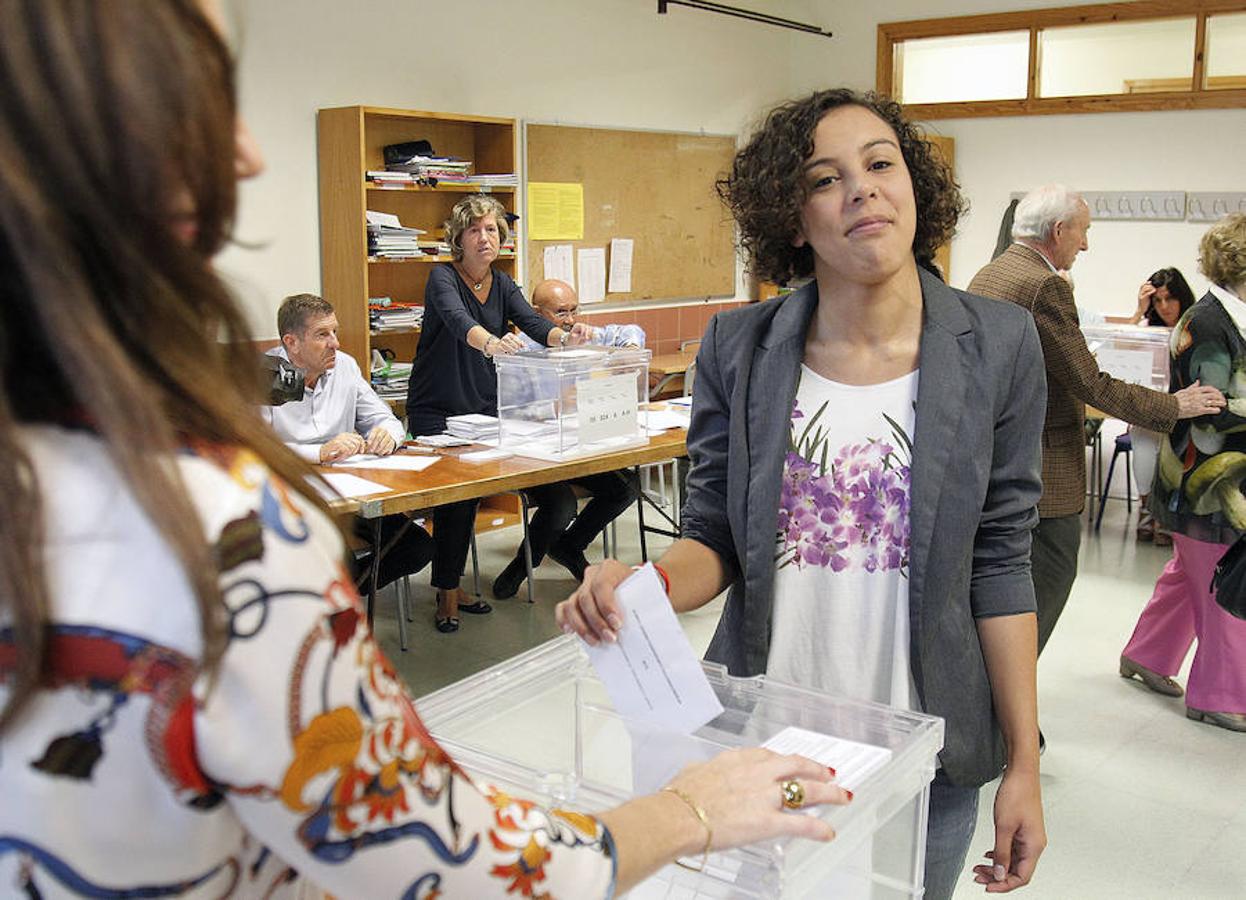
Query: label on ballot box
x,y
606,407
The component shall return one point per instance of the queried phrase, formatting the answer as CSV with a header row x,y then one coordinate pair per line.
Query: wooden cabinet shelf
x,y
350,142
453,187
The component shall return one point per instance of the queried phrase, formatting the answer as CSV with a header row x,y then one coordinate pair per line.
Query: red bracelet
x,y
666,579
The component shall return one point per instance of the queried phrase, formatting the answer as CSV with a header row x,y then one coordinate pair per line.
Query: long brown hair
x,y
108,109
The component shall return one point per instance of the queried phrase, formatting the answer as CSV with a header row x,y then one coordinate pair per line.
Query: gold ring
x,y
793,794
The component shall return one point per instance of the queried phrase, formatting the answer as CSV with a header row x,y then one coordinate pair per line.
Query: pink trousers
x,y
1181,609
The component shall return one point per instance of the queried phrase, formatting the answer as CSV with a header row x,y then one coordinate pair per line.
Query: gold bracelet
x,y
702,818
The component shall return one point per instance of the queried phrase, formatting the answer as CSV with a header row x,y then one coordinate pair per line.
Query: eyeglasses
x,y
566,313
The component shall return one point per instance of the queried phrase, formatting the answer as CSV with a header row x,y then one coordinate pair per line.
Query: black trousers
x,y
452,537
1053,562
406,548
612,493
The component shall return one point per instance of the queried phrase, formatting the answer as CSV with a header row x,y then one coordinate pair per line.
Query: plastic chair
x,y
1124,444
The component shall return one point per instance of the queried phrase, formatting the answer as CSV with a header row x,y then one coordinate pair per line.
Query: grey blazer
x,y
975,487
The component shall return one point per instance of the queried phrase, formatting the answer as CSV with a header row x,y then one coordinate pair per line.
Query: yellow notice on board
x,y
555,211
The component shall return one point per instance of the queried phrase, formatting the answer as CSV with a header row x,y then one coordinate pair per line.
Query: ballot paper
x,y
852,761
651,673
659,420
398,461
348,485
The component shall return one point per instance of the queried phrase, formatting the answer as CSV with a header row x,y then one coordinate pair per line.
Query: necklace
x,y
476,283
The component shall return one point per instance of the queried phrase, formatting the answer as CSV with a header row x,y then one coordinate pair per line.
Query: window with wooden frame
x,y
1146,55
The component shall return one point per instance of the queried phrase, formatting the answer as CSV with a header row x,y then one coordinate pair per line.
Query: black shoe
x,y
507,584
573,561
1042,743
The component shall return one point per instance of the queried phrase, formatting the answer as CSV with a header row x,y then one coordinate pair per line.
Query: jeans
x,y
953,817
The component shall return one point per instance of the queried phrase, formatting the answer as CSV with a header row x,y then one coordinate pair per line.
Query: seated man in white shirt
x,y
556,530
340,415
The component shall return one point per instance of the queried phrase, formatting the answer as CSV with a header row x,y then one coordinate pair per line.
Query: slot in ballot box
x,y
541,726
1132,353
566,402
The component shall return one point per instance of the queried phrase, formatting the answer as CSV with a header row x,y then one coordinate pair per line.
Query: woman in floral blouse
x,y
190,700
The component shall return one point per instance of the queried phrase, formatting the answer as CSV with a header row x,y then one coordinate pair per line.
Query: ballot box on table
x,y
562,403
541,726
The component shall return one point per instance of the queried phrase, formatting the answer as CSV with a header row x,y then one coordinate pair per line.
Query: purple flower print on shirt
x,y
851,512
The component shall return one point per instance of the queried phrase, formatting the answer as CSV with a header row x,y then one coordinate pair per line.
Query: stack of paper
x,y
509,179
473,427
394,316
388,238
392,179
434,168
391,383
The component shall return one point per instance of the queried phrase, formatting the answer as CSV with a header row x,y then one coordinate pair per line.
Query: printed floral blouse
x,y
301,764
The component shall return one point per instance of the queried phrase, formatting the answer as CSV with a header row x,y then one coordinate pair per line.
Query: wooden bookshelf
x,y
350,141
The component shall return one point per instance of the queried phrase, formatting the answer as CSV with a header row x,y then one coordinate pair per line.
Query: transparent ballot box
x,y
1132,353
560,403
541,726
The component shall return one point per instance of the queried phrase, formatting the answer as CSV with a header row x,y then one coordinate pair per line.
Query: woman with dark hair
x,y
1163,299
1198,496
874,532
191,701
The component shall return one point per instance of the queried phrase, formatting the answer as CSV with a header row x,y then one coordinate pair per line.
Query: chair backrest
x,y
689,375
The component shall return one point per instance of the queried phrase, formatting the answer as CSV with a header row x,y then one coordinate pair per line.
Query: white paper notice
x,y
1133,366
606,407
398,462
558,263
591,264
852,761
352,485
620,266
651,674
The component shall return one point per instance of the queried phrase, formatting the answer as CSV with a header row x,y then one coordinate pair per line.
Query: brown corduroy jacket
x,y
1022,276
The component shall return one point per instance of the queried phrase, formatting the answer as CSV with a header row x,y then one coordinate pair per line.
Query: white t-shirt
x,y
841,590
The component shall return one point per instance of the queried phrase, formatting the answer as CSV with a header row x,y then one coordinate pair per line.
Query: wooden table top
x,y
452,479
672,363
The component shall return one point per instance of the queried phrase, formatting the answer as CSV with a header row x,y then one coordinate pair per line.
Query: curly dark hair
x,y
767,186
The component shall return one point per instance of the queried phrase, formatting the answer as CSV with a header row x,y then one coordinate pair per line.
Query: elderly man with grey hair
x,y
1049,230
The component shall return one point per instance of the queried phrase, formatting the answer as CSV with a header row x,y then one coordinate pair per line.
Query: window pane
x,y
1226,51
1116,58
950,69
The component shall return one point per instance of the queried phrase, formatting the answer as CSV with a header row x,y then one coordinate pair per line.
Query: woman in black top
x,y
468,309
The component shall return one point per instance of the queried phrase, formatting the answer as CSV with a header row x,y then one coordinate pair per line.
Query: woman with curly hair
x,y
865,467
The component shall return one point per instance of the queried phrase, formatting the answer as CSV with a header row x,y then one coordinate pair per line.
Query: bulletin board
x,y
656,188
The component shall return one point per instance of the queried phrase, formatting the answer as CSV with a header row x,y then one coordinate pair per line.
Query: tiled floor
x,y
1140,802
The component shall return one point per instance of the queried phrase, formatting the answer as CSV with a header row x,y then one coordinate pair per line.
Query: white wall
x,y
605,62
616,62
1187,151
1180,151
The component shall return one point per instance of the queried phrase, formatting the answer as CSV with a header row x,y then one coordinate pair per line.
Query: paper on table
x,y
559,264
591,263
662,419
352,485
651,673
620,265
398,461
852,761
